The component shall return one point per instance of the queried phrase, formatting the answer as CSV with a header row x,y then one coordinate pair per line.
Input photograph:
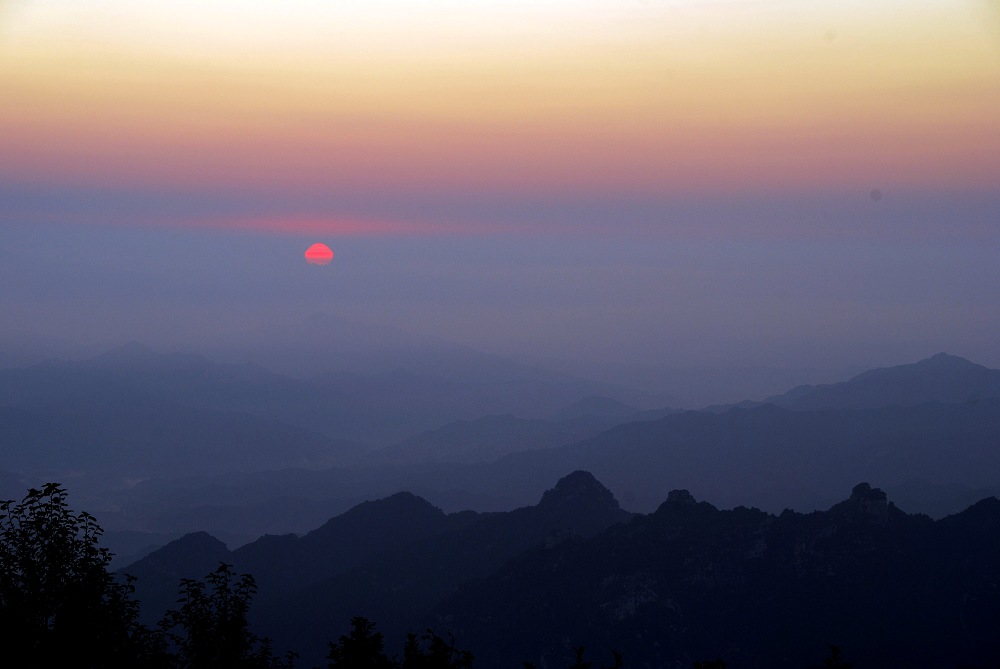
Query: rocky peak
x,y
580,504
681,497
580,487
683,503
864,492
866,504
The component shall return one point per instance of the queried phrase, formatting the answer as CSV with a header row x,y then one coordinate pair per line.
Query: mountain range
x,y
158,445
375,409
940,455
688,582
387,559
420,496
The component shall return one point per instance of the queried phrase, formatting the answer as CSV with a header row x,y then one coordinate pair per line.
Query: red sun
x,y
319,254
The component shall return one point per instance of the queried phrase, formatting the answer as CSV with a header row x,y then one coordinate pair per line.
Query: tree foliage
x,y
210,629
835,660
580,661
58,601
363,648
711,664
61,606
432,651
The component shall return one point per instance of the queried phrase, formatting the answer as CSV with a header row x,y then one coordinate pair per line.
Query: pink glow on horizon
x,y
290,224
733,162
331,225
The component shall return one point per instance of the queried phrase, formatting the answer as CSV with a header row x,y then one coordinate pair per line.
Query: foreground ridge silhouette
x,y
60,605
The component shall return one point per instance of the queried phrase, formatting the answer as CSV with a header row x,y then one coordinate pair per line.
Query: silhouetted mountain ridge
x,y
692,582
491,437
137,356
941,378
210,431
378,408
767,456
132,436
774,457
687,582
596,405
393,557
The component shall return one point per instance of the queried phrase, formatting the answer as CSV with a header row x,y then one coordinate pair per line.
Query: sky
x,y
675,183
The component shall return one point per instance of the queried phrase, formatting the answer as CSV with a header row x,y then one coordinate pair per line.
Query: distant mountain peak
x,y
597,405
936,364
131,352
190,554
346,335
402,509
397,503
948,360
136,356
942,378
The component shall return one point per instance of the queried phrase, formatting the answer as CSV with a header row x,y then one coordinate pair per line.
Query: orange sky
x,y
674,181
654,97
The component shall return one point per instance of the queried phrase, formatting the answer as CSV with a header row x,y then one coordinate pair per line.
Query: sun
x,y
319,254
